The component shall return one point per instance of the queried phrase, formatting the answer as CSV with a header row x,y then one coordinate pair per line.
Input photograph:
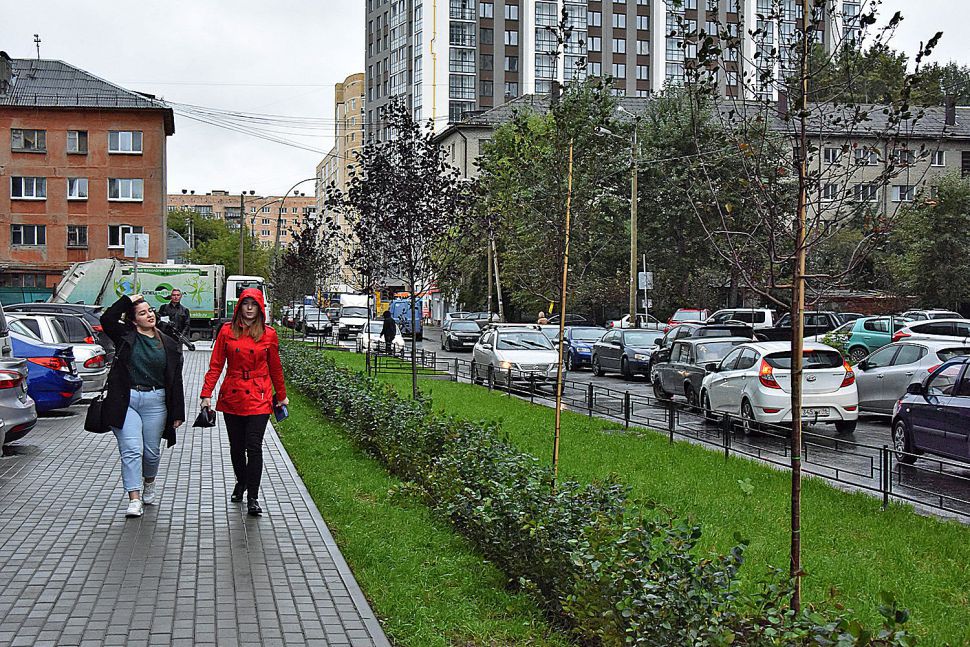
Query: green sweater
x,y
147,365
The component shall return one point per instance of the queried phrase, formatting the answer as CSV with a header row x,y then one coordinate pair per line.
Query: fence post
x,y
590,399
626,410
532,387
508,384
726,434
671,421
886,476
491,378
456,370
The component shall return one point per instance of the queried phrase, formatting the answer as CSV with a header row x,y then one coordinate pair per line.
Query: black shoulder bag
x,y
93,420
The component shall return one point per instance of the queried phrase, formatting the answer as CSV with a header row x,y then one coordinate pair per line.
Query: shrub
x,y
610,570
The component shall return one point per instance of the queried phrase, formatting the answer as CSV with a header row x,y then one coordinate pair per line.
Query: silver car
x,y
514,353
883,376
89,359
18,414
957,330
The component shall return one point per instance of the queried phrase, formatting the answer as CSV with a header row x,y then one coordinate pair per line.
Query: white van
x,y
758,317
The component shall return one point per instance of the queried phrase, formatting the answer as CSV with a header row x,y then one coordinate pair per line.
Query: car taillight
x,y
53,363
767,376
10,379
902,334
89,340
95,362
933,368
98,328
849,378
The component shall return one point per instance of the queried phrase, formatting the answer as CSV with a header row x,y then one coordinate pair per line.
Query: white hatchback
x,y
754,381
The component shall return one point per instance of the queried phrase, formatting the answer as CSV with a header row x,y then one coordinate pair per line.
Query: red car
x,y
688,315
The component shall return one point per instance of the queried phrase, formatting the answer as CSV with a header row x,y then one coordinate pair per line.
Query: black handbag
x,y
93,419
206,418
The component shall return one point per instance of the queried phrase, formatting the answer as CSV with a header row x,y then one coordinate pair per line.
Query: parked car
x,y
864,335
313,321
90,359
846,317
333,314
572,319
957,330
90,313
52,380
688,315
934,416
18,413
401,311
816,323
579,346
483,319
5,349
758,317
288,316
627,350
644,321
370,339
458,314
516,353
925,315
551,332
727,329
662,349
754,381
684,371
883,377
459,334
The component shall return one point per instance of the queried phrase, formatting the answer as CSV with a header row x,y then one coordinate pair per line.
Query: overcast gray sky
x,y
279,57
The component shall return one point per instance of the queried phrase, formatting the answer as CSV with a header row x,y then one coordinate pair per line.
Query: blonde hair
x,y
254,330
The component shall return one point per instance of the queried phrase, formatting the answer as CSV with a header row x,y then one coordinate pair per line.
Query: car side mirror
x,y
915,388
863,365
711,367
487,346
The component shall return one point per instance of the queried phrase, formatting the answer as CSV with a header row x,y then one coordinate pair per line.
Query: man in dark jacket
x,y
388,331
179,318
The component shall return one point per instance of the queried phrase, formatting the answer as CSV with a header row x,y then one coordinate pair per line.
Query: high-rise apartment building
x,y
348,133
449,58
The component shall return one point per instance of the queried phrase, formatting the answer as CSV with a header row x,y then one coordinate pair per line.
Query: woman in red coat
x,y
251,351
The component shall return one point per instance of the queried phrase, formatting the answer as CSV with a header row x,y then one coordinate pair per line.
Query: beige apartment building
x,y
263,214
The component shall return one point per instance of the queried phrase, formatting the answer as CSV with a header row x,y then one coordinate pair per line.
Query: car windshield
x,y
945,315
945,355
375,327
586,334
465,326
525,339
459,315
714,351
687,315
722,331
353,311
551,333
812,359
640,338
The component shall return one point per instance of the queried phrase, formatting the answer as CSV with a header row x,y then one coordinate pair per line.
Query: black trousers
x,y
246,448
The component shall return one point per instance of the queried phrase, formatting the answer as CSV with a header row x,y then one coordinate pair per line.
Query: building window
x,y
485,89
264,232
619,46
643,23
485,9
28,235
117,233
831,154
28,141
124,141
643,73
595,68
77,236
619,70
511,63
643,47
594,19
619,21
28,188
904,156
830,192
265,221
595,44
511,12
77,188
938,159
511,37
866,156
487,62
264,210
866,192
77,141
252,209
487,35
124,189
293,210
511,89
903,192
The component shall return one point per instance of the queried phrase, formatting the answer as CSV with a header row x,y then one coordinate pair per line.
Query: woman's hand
x,y
136,297
176,424
206,403
284,401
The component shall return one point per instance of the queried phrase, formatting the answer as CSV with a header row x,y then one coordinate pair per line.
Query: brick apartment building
x,y
82,163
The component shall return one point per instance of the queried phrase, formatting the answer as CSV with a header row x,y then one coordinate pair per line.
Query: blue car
x,y
52,379
401,311
626,350
933,416
579,346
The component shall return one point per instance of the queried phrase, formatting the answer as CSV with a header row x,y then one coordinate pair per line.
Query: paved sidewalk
x,y
194,570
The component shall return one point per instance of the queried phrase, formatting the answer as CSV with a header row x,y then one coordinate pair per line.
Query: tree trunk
x,y
498,285
414,345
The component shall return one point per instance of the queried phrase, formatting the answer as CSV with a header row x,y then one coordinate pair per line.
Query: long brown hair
x,y
254,330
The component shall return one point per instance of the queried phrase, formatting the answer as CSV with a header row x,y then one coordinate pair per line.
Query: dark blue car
x,y
52,379
579,345
626,350
933,416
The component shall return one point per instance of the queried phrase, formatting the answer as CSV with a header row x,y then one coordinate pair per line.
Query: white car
x,y
955,330
923,315
370,339
754,382
758,317
644,321
514,353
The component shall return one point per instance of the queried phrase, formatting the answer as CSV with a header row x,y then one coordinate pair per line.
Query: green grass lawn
x,y
426,583
852,549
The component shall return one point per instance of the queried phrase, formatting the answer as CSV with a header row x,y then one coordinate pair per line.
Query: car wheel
x,y
658,390
447,345
858,353
570,365
691,396
597,369
706,406
845,427
749,424
649,373
902,444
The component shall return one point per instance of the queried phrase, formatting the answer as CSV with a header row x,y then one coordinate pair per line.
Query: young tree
x,y
309,259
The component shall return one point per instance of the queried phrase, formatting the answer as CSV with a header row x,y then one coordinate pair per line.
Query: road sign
x,y
136,245
645,280
647,303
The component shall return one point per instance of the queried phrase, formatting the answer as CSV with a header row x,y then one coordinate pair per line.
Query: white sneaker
x,y
135,508
148,493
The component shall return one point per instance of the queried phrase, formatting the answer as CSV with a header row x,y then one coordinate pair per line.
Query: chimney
x,y
6,73
951,110
782,105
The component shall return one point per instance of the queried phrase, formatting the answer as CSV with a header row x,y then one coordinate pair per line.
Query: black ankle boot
x,y
253,508
237,492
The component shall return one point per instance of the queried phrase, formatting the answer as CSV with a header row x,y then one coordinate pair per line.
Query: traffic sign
x,y
136,245
645,280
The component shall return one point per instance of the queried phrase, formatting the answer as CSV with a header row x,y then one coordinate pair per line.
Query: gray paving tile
x,y
193,570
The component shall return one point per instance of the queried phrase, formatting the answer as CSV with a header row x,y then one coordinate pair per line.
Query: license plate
x,y
812,412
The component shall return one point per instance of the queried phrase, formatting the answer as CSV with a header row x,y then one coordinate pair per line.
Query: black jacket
x,y
115,405
389,329
178,316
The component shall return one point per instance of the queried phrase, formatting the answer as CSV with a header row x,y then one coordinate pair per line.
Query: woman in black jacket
x,y
144,401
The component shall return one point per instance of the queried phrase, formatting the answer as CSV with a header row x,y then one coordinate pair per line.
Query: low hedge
x,y
608,568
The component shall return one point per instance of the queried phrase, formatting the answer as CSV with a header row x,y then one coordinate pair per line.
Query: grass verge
x,y
852,549
427,584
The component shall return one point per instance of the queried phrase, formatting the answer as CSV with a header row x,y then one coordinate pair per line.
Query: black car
x,y
459,334
626,350
684,370
727,329
90,313
571,320
816,323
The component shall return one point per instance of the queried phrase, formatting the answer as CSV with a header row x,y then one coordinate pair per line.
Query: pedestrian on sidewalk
x,y
250,350
179,319
388,331
144,402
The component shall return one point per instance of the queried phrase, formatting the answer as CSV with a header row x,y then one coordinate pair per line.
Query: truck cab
x,y
354,315
236,283
401,312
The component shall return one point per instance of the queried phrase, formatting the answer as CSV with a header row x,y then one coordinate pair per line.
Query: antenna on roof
x,y
37,43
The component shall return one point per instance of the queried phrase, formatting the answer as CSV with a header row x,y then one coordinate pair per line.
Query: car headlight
x,y
640,357
505,365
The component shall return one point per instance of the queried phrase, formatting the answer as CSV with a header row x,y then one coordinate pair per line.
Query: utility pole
x,y
488,262
498,283
635,164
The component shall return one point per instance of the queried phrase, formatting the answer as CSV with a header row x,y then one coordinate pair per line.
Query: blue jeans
x,y
140,439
